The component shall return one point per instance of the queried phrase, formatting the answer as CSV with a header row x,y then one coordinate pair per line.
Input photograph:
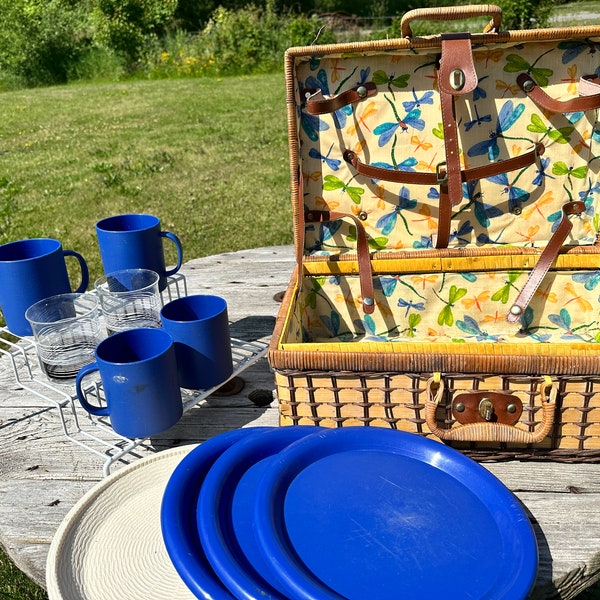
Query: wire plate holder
x,y
95,433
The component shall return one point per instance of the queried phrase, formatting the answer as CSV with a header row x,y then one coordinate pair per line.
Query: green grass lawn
x,y
208,157
14,585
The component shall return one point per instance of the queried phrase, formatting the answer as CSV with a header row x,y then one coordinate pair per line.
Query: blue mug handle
x,y
85,275
177,243
99,411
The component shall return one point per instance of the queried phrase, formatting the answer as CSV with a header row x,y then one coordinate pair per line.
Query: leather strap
x,y
329,105
543,100
545,261
422,178
439,177
365,272
589,85
456,76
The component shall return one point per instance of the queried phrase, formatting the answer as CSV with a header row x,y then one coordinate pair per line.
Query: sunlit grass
x,y
209,157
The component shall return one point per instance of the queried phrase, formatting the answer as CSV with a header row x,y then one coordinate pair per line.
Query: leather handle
x,y
490,432
365,271
453,13
545,261
543,100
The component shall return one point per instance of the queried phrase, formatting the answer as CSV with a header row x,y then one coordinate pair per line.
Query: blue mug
x,y
135,241
139,377
200,327
31,270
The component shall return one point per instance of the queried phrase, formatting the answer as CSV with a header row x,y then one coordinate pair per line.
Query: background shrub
x,y
41,39
45,42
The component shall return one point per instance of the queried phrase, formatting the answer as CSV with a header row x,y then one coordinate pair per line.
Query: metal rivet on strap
x,y
368,301
515,309
517,210
363,216
528,85
361,90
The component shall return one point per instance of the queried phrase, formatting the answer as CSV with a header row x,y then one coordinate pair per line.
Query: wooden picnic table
x,y
43,473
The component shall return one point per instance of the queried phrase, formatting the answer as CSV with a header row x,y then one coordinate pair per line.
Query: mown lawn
x,y
208,157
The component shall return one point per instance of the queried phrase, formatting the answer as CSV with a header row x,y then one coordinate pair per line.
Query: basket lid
x,y
368,143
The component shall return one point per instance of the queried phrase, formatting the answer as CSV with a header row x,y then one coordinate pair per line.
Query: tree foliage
x,y
44,42
40,39
125,25
525,14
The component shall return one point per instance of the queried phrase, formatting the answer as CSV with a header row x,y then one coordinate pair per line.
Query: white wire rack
x,y
95,433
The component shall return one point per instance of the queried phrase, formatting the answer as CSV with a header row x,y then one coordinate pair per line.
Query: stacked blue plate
x,y
355,513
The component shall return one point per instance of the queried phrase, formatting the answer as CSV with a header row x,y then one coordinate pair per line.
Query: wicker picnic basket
x,y
445,195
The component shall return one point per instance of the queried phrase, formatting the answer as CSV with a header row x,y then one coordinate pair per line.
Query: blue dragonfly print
x,y
482,210
563,321
426,98
386,131
409,304
332,163
333,324
459,234
311,124
590,208
368,326
320,83
478,120
544,162
516,195
508,116
527,328
470,326
326,233
590,279
387,222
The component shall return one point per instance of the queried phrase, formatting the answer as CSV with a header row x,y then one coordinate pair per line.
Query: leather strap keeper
x,y
324,106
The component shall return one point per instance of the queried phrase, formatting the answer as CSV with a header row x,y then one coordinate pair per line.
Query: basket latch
x,y
490,407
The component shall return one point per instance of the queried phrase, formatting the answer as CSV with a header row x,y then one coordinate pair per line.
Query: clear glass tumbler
x,y
66,330
129,299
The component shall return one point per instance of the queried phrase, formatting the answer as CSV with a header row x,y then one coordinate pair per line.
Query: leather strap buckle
x,y
441,173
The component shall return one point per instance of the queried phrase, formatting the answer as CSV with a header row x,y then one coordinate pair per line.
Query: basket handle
x,y
452,13
490,432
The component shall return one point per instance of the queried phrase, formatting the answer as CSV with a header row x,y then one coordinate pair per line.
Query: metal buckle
x,y
442,179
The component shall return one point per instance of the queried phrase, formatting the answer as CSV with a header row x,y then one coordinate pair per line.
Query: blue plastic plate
x,y
363,513
226,509
178,514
